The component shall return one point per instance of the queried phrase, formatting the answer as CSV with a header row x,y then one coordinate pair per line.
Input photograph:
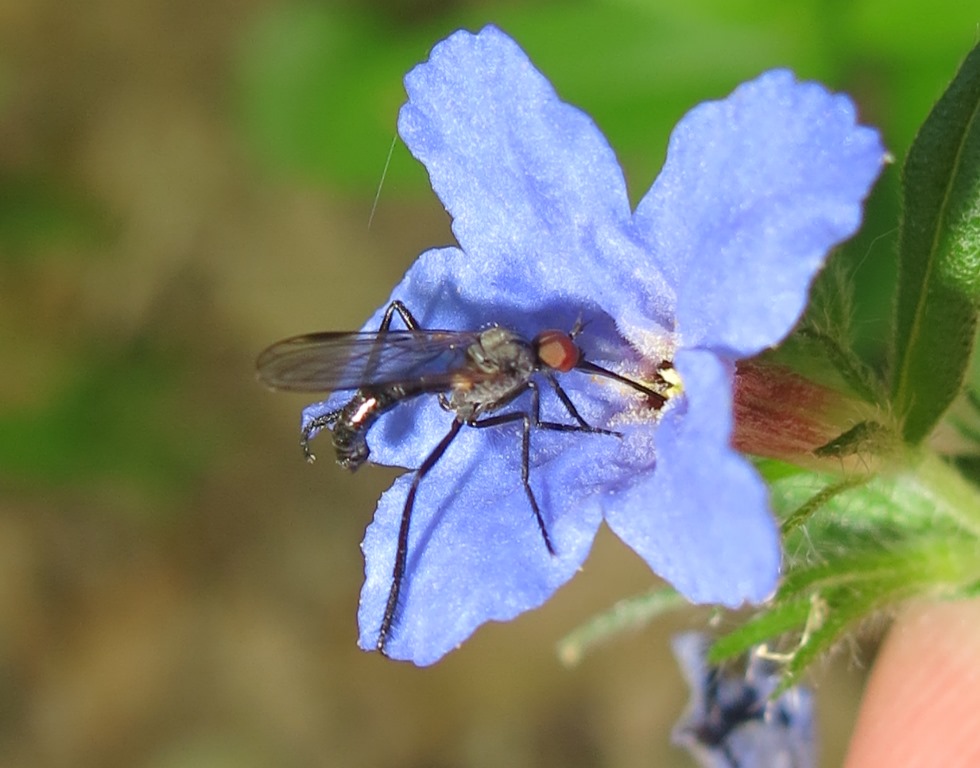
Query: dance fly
x,y
475,374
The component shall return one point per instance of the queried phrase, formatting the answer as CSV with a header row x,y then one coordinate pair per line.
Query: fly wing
x,y
325,362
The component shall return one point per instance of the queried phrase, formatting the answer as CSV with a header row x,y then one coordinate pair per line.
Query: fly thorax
x,y
500,352
498,367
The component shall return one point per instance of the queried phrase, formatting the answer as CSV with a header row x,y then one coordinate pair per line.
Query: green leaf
x,y
939,257
822,357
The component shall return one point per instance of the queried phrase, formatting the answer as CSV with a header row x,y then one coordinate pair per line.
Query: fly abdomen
x,y
353,422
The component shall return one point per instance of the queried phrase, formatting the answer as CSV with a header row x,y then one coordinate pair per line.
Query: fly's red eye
x,y
557,350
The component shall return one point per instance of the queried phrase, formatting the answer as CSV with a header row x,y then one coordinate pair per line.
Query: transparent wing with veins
x,y
327,362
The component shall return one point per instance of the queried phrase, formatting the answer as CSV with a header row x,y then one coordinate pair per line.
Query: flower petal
x,y
733,719
537,197
756,190
475,550
701,521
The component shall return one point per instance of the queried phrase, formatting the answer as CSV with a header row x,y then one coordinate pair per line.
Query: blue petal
x,y
475,550
537,197
701,521
756,189
732,719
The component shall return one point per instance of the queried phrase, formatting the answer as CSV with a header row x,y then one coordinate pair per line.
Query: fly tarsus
x,y
310,430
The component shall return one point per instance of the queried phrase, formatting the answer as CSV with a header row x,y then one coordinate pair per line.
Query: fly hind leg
x,y
314,426
354,457
401,553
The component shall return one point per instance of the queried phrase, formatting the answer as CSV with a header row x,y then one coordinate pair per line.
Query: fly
x,y
475,374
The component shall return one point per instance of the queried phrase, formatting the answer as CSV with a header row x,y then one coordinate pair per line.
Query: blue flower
x,y
732,720
713,266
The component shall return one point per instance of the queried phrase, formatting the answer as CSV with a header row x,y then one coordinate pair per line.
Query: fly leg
x,y
526,420
401,554
315,425
407,317
326,419
532,419
583,425
529,420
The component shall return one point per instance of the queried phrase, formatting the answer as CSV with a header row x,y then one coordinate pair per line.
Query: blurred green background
x,y
182,183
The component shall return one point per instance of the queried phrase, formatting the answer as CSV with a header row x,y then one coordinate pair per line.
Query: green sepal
x,y
630,613
939,257
856,547
780,619
868,437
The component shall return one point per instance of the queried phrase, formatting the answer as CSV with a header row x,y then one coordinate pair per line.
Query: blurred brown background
x,y
177,588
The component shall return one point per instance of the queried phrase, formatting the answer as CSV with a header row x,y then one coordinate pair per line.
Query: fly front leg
x,y
583,425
